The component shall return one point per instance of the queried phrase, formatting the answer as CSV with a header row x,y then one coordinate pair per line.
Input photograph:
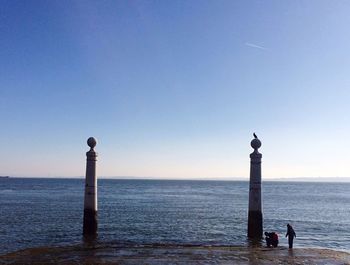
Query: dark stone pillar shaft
x,y
90,198
90,222
255,217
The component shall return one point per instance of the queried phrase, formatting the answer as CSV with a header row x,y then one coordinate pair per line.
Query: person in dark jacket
x,y
291,234
271,239
268,239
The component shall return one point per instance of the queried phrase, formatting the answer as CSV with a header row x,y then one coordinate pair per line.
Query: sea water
x,y
49,212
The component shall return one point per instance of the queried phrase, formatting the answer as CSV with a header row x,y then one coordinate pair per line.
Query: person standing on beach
x,y
291,234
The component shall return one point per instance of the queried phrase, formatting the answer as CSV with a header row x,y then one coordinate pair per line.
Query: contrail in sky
x,y
255,46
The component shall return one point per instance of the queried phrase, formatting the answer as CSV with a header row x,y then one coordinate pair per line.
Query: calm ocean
x,y
49,212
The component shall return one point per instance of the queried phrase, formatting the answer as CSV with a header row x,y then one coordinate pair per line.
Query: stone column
x,y
255,217
90,199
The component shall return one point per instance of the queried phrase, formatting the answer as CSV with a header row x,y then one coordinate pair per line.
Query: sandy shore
x,y
174,255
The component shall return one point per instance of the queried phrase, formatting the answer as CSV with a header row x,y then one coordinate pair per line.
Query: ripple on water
x,y
42,212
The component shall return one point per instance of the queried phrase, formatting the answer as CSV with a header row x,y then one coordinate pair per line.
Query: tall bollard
x,y
90,198
255,217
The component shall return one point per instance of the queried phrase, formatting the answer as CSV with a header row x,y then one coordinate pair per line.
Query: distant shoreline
x,y
306,180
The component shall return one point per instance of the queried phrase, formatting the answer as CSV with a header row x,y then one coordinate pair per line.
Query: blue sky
x,y
175,89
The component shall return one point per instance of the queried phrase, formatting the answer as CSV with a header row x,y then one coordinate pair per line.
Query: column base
x,y
90,222
255,224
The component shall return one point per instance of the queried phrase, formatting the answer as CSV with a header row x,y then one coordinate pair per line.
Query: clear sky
x,y
175,88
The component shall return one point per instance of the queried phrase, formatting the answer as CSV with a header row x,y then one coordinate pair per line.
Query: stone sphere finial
x,y
255,143
91,142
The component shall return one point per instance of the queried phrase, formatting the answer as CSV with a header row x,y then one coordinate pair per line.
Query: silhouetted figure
x,y
271,239
268,239
256,137
291,234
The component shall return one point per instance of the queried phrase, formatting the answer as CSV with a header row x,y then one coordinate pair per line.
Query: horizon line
x,y
280,179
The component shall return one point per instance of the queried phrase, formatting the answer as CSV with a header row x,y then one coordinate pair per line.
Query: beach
x,y
175,254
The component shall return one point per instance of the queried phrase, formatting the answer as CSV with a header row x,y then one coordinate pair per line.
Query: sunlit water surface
x,y
49,212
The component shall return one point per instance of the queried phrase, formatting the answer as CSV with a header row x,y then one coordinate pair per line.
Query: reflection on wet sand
x,y
94,253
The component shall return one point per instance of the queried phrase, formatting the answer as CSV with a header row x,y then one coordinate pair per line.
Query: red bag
x,y
275,237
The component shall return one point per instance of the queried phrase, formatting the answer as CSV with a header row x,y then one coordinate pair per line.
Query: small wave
x,y
6,191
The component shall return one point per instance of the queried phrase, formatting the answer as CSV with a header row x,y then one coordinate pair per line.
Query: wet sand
x,y
172,254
